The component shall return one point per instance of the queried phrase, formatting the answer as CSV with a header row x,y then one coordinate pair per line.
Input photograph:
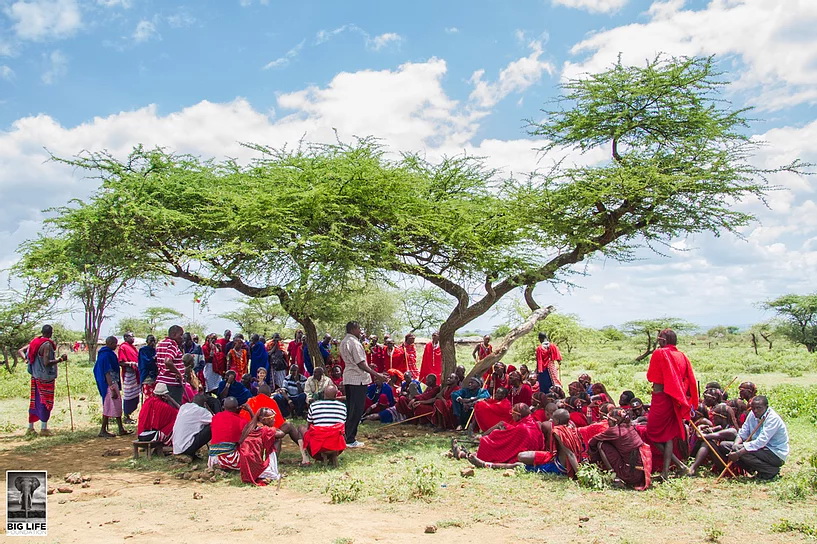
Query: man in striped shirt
x,y
169,362
325,438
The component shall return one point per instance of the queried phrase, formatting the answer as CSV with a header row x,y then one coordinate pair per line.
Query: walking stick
x,y
712,449
405,420
68,387
730,384
759,423
484,385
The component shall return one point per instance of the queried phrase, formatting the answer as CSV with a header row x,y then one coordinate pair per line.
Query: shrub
x,y
590,476
344,490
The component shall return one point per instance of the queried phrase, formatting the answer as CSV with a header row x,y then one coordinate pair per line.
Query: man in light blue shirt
x,y
762,445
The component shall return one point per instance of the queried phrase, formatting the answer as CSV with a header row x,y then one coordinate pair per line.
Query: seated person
x,y
251,383
325,438
503,442
410,387
316,384
762,445
379,397
747,391
637,412
264,400
230,387
463,401
337,377
192,428
498,378
625,398
411,406
518,390
622,451
256,459
157,416
725,430
443,414
489,412
291,398
561,454
579,408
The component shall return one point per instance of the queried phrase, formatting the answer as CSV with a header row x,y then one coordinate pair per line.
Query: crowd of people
x,y
240,398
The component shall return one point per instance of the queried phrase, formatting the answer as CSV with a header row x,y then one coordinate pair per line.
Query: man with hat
x,y
157,416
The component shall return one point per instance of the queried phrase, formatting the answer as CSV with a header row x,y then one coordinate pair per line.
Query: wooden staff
x,y
730,384
399,422
712,448
484,385
759,423
68,387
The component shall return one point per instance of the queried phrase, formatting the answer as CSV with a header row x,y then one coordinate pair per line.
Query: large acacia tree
x,y
305,224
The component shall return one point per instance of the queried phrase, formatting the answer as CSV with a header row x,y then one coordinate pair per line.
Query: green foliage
x,y
501,330
800,318
22,314
345,489
647,329
264,316
564,330
425,481
424,309
793,400
713,534
590,476
675,489
786,526
154,320
612,334
374,305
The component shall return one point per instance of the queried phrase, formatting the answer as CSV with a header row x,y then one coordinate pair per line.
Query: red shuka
x,y
226,427
156,415
670,408
524,395
295,354
504,445
320,439
410,351
378,358
546,362
254,454
489,412
262,401
432,362
443,408
397,359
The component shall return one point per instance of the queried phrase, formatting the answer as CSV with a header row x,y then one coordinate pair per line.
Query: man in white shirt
x,y
192,428
356,377
762,445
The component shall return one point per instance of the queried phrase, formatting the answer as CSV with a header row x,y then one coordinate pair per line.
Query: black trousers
x,y
763,461
176,392
355,406
199,440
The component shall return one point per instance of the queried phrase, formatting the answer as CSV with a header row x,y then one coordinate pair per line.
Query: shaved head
x,y
231,404
561,417
330,392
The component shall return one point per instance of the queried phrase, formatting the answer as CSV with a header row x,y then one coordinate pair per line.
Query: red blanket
x,y
489,412
320,439
503,445
156,415
255,452
262,401
432,362
670,409
34,347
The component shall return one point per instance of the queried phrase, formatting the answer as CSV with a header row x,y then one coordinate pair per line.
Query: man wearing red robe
x,y
484,349
674,394
432,358
395,357
547,364
422,403
505,441
443,408
295,351
410,349
378,355
228,334
518,390
489,412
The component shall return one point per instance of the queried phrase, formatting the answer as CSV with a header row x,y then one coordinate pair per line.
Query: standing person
x,y
295,352
237,357
259,357
210,349
378,354
395,357
762,445
674,394
148,371
484,349
170,364
225,342
547,363
106,373
410,349
42,366
432,358
356,377
278,361
129,361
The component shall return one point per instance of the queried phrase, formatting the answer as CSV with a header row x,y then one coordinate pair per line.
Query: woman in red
x,y
518,390
443,417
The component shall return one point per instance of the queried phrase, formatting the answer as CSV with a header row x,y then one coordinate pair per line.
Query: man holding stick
x,y
40,354
762,445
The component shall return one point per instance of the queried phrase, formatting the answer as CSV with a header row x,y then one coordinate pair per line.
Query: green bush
x,y
344,490
590,476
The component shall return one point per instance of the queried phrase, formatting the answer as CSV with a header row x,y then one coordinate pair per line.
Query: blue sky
x,y
442,77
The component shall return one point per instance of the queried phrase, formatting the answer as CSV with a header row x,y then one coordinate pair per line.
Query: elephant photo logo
x,y
26,502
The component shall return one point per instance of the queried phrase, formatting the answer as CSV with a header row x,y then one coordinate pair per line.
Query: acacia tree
x,y
264,316
799,313
86,254
423,309
151,321
648,329
21,310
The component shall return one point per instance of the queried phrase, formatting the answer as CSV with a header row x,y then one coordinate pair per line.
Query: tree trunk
x,y
644,355
768,338
311,335
754,342
448,349
515,334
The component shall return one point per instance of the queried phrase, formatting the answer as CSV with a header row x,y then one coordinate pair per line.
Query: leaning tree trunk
x,y
448,349
754,341
311,335
513,335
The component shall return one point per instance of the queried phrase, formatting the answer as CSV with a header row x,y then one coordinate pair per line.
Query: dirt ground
x,y
126,505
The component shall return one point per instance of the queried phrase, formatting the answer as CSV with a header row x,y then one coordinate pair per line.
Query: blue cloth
x,y
554,467
545,381
457,408
373,392
405,386
147,363
106,362
237,390
198,356
772,434
308,366
324,352
259,358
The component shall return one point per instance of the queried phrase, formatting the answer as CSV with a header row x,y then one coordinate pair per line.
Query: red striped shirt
x,y
168,350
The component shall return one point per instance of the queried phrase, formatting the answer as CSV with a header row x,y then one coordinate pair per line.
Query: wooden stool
x,y
149,447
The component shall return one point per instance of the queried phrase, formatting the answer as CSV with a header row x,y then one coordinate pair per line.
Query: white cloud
x,y
452,30
280,62
773,43
379,42
125,4
516,77
180,20
57,64
44,19
145,31
593,6
245,3
6,72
